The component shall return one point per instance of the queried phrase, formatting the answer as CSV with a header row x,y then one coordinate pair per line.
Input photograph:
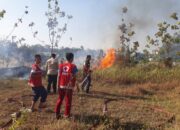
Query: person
x,y
86,83
66,84
62,60
52,72
35,81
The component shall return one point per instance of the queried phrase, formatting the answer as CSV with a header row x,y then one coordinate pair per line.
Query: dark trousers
x,y
39,92
67,94
87,83
52,80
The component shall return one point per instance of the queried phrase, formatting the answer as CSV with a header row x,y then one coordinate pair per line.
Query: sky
x,y
94,24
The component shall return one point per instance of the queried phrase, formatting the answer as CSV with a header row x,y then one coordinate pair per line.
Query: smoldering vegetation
x,y
19,72
15,60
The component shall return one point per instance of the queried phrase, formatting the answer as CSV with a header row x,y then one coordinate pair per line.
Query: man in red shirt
x,y
66,84
35,81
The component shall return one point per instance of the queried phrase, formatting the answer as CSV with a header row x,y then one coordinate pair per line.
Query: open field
x,y
134,106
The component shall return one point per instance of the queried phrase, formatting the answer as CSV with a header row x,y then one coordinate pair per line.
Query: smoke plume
x,y
145,15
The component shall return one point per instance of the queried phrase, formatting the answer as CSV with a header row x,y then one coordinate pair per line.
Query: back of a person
x,y
66,75
67,79
52,73
52,66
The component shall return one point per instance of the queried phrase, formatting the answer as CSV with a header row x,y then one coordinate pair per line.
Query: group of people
x,y
61,76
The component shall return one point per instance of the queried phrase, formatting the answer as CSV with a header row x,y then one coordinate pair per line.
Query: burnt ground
x,y
129,107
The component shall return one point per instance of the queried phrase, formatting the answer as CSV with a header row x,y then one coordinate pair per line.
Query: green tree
x,y
127,51
2,13
165,36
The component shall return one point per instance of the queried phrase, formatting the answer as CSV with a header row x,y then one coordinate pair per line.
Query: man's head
x,y
62,60
53,55
88,57
37,58
70,57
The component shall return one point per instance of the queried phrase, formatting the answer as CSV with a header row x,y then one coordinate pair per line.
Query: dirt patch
x,y
125,111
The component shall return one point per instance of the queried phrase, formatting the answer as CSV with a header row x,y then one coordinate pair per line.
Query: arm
x,y
74,75
59,75
46,67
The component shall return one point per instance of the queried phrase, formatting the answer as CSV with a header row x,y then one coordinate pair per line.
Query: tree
x,y
54,15
126,30
165,37
17,23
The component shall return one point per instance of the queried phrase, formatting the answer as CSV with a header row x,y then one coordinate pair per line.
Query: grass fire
x,y
109,59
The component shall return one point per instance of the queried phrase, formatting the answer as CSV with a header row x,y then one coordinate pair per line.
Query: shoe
x,y
66,116
42,105
57,116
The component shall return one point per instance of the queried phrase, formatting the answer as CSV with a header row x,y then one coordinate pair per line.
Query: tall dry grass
x,y
141,73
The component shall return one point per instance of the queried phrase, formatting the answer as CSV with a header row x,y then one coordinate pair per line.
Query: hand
x,y
43,73
90,71
77,87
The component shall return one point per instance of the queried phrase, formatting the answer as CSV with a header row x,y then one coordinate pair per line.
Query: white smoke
x,y
80,57
146,14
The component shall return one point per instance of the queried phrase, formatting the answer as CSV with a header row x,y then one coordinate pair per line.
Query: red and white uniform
x,y
35,79
66,78
66,84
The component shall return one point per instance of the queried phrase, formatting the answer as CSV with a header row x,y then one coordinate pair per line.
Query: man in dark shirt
x,y
87,74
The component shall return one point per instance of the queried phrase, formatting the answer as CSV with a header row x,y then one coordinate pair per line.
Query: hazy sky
x,y
94,24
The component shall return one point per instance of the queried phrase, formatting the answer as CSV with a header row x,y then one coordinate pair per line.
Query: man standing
x,y
52,72
87,74
35,81
66,84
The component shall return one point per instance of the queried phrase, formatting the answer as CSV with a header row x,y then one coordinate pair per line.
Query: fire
x,y
109,59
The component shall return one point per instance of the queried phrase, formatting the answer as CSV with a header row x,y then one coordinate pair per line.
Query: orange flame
x,y
109,59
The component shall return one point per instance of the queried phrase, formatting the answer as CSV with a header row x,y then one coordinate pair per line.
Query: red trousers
x,y
67,93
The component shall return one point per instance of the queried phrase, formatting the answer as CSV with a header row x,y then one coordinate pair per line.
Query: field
x,y
139,98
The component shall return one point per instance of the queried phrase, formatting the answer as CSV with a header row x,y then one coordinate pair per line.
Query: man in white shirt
x,y
52,72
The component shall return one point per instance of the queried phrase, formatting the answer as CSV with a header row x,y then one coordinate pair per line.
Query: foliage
x,y
16,24
2,13
165,37
17,122
54,15
13,55
126,31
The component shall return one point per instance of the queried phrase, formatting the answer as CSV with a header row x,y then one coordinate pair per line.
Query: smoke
x,y
80,57
145,15
18,72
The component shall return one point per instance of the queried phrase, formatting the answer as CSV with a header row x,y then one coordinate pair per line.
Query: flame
x,y
109,59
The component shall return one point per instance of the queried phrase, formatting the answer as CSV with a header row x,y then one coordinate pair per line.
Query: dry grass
x,y
137,74
133,106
